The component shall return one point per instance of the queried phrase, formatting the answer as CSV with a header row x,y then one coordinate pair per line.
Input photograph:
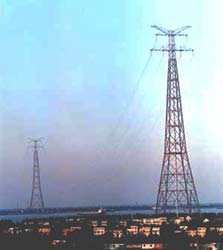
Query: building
x,y
71,229
94,223
201,231
191,232
117,233
155,231
98,231
133,230
145,230
155,221
123,223
114,246
44,230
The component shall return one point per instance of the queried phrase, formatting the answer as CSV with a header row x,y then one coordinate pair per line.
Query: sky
x,y
69,73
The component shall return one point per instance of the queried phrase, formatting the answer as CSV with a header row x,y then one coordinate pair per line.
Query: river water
x,y
21,217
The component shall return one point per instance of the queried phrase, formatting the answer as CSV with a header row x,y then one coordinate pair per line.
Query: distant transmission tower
x,y
36,196
176,188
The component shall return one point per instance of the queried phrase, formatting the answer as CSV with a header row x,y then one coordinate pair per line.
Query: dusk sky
x,y
68,73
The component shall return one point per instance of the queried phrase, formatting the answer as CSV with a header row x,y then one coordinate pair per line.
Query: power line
x,y
132,96
126,131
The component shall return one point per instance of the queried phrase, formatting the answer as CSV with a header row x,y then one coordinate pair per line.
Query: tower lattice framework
x,y
36,200
177,190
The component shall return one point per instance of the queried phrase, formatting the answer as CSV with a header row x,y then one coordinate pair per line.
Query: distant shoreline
x,y
90,208
23,214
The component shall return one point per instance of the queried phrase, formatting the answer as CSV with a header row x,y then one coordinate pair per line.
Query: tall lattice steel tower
x,y
36,196
176,188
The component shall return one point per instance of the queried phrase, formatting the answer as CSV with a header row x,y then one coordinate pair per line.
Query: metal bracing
x,y
36,196
176,188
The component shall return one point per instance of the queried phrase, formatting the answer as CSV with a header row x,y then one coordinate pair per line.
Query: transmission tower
x,y
177,190
36,196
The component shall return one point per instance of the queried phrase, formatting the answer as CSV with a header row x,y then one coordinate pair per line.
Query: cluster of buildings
x,y
109,232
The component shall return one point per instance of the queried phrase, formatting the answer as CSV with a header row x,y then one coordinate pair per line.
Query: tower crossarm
x,y
170,50
171,34
164,34
164,31
178,31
